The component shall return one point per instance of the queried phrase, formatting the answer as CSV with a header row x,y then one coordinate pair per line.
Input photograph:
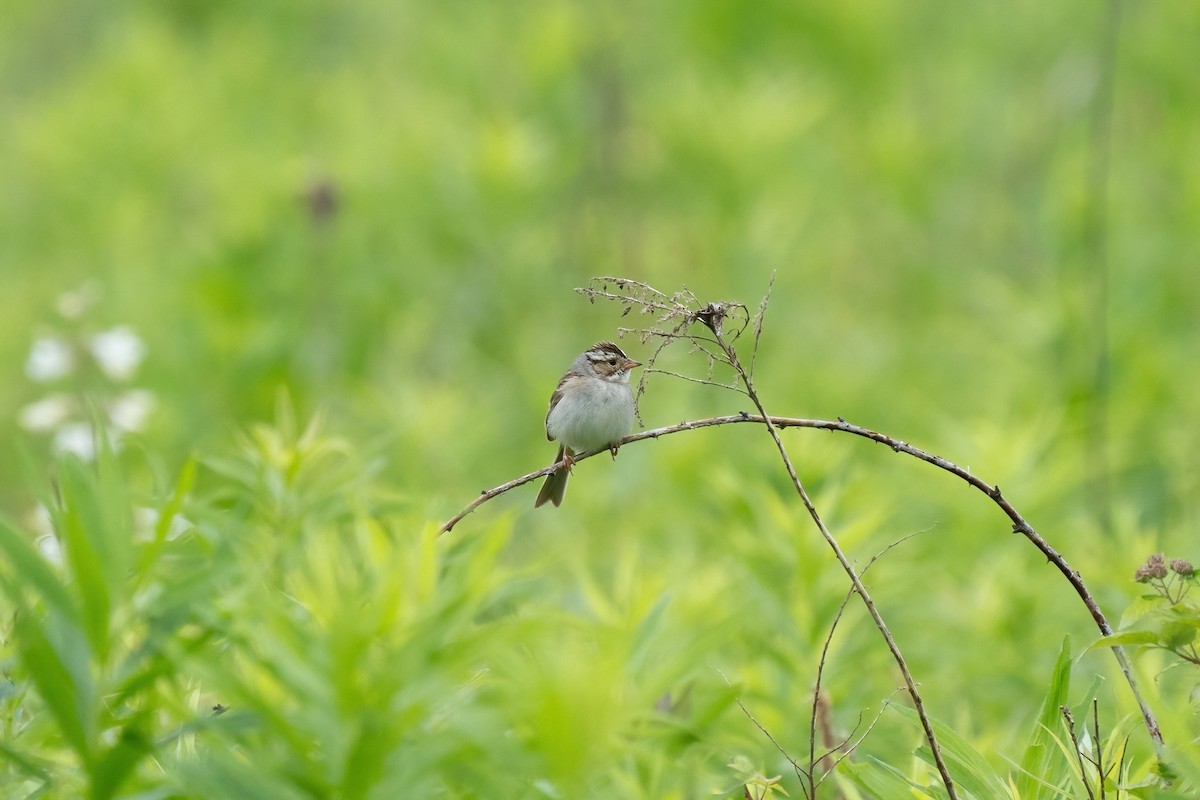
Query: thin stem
x,y
488,494
816,703
758,321
934,746
1101,772
1066,712
690,379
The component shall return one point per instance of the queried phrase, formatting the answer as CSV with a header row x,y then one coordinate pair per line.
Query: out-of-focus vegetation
x,y
983,235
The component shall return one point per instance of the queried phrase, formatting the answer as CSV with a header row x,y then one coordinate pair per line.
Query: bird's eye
x,y
612,360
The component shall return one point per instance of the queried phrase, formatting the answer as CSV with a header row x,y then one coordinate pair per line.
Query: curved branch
x,y
1020,525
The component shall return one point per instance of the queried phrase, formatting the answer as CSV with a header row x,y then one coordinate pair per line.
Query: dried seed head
x,y
1155,567
1182,567
712,315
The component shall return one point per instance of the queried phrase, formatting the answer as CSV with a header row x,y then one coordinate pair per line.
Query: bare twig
x,y
705,381
496,491
1101,772
1019,524
727,321
760,726
763,729
801,772
757,322
845,748
825,763
812,730
1083,776
876,616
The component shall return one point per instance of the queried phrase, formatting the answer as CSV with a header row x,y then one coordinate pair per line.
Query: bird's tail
x,y
555,485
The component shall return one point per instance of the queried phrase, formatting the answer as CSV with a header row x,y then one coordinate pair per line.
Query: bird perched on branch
x,y
592,407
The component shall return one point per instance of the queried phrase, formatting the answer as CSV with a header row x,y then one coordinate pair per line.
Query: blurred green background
x,y
979,245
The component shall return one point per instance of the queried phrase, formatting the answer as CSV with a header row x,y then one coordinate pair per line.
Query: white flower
x,y
46,414
77,438
128,411
72,304
118,352
42,525
50,548
49,359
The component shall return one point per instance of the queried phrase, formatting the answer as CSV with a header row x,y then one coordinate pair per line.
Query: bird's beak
x,y
630,363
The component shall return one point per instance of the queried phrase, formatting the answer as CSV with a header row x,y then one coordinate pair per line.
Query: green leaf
x,y
24,763
56,657
1140,607
111,528
1041,766
1083,708
647,635
879,779
1177,634
114,765
363,766
167,515
78,520
33,570
1127,638
971,771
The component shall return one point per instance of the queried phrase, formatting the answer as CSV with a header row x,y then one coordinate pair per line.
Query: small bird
x,y
591,407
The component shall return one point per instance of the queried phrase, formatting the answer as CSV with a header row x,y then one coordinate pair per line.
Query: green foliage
x,y
92,640
381,209
1167,618
280,628
1041,769
1060,761
301,637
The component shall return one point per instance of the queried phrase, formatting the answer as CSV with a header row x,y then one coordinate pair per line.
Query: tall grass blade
x,y
1042,766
